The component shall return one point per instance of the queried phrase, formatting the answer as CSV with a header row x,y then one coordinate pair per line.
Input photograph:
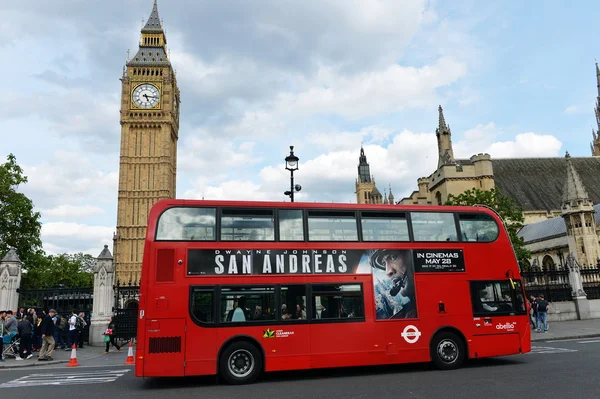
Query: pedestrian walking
x,y
81,328
72,337
109,336
542,311
25,329
533,312
46,331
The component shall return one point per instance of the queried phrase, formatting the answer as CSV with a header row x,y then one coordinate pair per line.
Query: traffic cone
x,y
129,359
73,361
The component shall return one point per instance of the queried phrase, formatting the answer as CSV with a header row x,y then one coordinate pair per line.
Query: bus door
x,y
499,318
165,347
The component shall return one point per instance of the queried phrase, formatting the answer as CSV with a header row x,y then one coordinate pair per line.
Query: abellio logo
x,y
506,326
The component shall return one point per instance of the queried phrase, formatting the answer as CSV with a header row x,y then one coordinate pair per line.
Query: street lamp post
x,y
291,164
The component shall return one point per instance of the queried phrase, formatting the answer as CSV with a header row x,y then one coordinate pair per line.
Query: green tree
x,y
19,225
65,270
511,214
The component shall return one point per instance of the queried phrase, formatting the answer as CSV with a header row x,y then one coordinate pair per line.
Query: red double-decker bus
x,y
239,288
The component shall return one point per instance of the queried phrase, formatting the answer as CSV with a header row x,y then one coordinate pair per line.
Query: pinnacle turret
x,y
444,139
598,79
154,24
153,43
364,170
573,192
442,120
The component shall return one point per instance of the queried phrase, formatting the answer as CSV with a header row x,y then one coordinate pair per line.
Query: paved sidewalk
x,y
85,355
569,330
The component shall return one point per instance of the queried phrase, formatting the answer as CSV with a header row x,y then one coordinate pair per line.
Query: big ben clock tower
x,y
149,133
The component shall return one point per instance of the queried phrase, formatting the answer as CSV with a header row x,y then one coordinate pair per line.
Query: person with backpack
x,y
542,314
58,339
72,336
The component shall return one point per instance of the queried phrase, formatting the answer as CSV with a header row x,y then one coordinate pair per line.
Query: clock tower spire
x,y
149,132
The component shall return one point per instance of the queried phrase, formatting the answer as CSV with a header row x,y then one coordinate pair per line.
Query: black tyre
x,y
447,351
240,363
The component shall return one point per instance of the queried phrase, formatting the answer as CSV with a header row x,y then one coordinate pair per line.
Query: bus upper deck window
x,y
477,227
291,225
187,224
433,226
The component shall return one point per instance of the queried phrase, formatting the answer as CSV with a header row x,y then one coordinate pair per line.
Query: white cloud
x,y
370,93
201,153
70,179
489,139
330,175
60,237
571,109
349,141
72,211
526,145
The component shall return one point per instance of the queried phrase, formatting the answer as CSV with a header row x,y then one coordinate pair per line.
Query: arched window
x,y
548,264
438,198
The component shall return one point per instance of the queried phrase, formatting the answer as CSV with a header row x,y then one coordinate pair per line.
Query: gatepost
x,y
10,280
104,278
582,306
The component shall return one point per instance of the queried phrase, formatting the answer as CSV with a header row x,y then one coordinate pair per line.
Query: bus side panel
x,y
490,345
346,344
165,348
201,350
288,348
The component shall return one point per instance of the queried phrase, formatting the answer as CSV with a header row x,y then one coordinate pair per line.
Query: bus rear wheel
x,y
447,351
240,363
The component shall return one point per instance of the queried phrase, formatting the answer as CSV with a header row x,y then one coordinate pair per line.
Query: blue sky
x,y
514,79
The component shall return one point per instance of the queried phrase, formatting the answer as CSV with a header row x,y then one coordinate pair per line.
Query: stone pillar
x,y
104,297
10,281
582,306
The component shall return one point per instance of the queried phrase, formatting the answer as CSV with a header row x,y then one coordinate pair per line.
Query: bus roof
x,y
167,203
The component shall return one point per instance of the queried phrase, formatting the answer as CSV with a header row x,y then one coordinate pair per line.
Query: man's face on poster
x,y
394,265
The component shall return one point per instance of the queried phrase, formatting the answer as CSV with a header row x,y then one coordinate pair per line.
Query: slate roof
x,y
11,256
149,56
549,228
538,183
153,23
105,254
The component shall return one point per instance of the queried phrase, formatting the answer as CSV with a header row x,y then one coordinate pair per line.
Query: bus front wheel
x,y
240,363
447,350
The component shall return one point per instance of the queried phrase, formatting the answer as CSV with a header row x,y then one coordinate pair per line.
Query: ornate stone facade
x,y
104,295
452,176
10,280
150,101
366,189
535,184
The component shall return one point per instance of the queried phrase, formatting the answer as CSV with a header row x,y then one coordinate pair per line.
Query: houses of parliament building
x,y
559,196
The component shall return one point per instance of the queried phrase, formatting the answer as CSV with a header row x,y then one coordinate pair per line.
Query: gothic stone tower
x,y
578,213
149,133
444,140
366,191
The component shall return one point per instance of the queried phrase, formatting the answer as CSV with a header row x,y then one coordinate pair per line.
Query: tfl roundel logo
x,y
411,334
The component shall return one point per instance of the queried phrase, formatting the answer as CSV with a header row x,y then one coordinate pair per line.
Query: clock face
x,y
146,96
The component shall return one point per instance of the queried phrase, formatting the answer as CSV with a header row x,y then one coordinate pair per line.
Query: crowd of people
x,y
41,331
